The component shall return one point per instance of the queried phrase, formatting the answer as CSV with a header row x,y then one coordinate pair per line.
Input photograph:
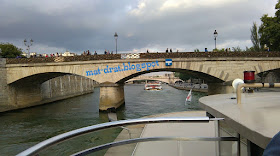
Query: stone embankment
x,y
16,97
66,86
188,86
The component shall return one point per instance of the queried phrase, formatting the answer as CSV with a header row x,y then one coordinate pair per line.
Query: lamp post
x,y
215,37
28,45
116,38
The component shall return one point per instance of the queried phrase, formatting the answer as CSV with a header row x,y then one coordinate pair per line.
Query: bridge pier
x,y
111,95
4,88
219,88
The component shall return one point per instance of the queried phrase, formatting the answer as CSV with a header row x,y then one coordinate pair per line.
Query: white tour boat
x,y
153,86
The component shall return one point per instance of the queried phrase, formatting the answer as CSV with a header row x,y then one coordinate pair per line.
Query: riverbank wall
x,y
64,87
17,96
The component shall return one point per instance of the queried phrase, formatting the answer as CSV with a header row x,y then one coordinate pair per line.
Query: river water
x,y
21,129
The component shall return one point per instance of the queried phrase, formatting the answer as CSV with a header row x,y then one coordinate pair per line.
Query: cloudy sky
x,y
78,25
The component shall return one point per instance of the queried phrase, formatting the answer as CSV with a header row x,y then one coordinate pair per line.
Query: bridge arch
x,y
205,76
165,78
37,79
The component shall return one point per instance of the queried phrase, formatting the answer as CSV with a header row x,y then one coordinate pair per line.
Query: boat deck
x,y
256,118
167,148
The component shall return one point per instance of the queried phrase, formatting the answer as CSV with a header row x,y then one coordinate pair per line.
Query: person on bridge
x,y
170,50
88,53
166,50
206,50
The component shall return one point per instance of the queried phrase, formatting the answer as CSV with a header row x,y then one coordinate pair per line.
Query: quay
x,y
188,86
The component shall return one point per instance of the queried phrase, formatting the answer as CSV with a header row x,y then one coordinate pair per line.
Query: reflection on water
x,y
23,128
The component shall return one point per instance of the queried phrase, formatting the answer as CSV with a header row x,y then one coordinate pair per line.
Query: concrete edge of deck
x,y
254,119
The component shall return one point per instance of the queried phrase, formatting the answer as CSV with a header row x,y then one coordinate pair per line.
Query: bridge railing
x,y
63,59
208,54
141,56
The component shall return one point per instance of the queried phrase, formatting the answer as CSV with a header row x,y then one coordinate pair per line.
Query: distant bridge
x,y
22,78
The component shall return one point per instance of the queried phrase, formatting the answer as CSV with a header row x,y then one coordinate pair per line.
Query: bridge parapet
x,y
2,62
63,59
209,54
144,56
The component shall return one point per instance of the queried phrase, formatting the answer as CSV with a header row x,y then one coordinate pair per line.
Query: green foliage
x,y
176,74
270,30
185,76
255,38
8,50
250,49
236,49
220,50
182,76
262,75
196,50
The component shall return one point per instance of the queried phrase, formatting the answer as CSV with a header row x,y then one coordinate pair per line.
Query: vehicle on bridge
x,y
153,86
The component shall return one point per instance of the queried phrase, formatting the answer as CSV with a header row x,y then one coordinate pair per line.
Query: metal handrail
x,y
128,131
136,140
256,85
62,137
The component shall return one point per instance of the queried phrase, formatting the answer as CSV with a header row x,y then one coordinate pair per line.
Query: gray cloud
x,y
143,24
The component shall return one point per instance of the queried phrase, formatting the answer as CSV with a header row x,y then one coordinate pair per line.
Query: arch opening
x,y
206,77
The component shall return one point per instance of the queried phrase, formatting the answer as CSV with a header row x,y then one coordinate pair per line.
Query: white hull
x,y
153,86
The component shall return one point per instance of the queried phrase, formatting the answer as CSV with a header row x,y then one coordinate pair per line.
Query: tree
x,y
236,49
176,74
8,50
249,49
220,50
196,50
270,30
255,38
186,75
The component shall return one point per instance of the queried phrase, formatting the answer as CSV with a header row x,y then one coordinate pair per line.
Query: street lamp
x,y
28,45
215,36
116,38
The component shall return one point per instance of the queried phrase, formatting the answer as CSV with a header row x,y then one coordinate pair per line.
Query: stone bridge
x,y
22,77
